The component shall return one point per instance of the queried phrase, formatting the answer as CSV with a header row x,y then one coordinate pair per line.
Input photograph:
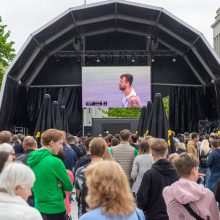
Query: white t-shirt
x,y
126,98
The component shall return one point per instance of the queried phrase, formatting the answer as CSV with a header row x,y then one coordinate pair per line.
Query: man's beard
x,y
121,88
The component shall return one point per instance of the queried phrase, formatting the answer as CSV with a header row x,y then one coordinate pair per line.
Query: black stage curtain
x,y
8,104
144,117
46,117
70,97
186,108
157,123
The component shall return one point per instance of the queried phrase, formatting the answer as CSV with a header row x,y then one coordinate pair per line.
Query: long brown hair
x,y
108,188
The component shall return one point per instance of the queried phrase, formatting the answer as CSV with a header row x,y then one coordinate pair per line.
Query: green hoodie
x,y
49,171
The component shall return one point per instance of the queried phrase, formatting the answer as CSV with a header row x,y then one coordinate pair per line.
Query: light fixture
x,y
132,60
98,60
174,59
152,60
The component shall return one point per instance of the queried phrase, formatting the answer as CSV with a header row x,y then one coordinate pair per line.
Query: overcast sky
x,y
25,16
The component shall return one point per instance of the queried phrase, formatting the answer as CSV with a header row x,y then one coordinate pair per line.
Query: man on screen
x,y
130,98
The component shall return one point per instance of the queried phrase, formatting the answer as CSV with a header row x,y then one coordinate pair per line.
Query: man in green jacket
x,y
51,176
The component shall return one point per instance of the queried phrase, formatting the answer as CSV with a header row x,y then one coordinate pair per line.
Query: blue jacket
x,y
71,157
213,161
98,215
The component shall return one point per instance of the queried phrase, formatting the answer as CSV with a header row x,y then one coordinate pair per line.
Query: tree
x,y
6,49
122,112
166,105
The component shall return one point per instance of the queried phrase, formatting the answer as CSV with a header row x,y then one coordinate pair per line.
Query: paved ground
x,y
74,212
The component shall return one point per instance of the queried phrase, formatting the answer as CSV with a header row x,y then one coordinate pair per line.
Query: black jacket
x,y
149,196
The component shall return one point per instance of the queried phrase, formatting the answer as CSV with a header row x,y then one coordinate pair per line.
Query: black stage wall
x,y
113,125
187,104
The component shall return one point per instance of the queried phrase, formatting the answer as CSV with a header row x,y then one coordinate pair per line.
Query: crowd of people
x,y
114,177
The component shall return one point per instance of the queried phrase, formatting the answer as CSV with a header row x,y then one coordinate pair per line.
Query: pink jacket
x,y
200,199
67,200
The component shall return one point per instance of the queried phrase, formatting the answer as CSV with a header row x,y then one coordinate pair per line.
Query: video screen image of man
x,y
130,99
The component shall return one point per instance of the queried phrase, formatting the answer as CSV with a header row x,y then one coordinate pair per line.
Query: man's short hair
x,y
184,164
51,135
97,147
5,137
29,142
134,138
194,135
159,147
14,137
215,143
125,135
87,142
114,141
128,77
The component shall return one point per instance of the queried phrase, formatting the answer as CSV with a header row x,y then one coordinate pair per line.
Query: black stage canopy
x,y
115,32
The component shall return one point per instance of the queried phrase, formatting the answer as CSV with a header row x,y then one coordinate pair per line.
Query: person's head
x,y
186,135
125,81
173,157
187,166
97,147
108,188
195,137
144,148
207,137
8,148
114,142
87,141
29,143
134,138
52,139
186,140
150,140
180,137
21,138
15,138
159,149
5,158
106,140
215,144
125,135
118,137
212,137
5,137
17,179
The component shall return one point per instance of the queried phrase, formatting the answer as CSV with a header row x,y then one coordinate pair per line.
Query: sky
x,y
23,17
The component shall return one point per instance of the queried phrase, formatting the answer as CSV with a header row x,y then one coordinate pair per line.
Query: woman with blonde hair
x,y
109,196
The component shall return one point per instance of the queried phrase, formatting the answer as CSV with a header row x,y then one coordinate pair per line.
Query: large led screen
x,y
116,87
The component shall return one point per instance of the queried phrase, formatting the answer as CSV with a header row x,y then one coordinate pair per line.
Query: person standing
x,y
213,163
16,181
52,179
124,153
191,145
161,174
109,196
185,196
141,164
130,98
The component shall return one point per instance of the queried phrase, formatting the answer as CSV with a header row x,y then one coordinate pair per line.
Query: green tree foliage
x,y
7,52
166,105
122,112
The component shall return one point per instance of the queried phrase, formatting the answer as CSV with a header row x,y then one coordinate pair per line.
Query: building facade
x,y
216,32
